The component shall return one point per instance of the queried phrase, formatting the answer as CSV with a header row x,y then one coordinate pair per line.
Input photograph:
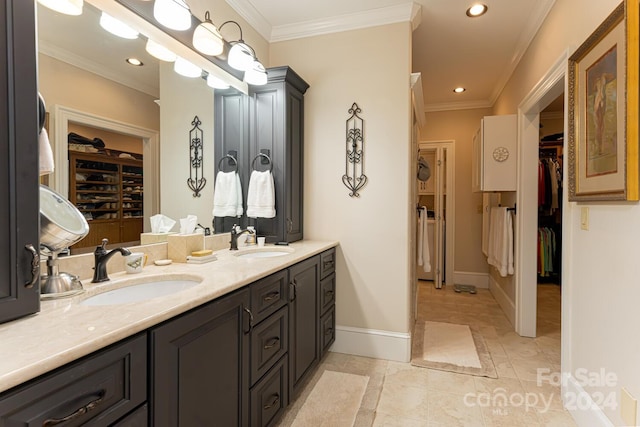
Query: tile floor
x,y
399,394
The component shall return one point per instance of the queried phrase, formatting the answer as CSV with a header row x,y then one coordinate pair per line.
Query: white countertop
x,y
64,330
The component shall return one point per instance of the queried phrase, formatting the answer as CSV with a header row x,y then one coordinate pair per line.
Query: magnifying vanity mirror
x,y
123,112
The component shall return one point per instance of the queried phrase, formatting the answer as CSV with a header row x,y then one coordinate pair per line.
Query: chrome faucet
x,y
235,232
101,257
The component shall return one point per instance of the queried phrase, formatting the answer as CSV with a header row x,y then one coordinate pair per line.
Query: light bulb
x,y
186,68
160,52
207,39
216,83
256,75
117,28
172,14
68,7
240,56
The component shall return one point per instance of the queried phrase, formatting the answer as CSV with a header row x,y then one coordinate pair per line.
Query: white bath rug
x,y
451,347
334,401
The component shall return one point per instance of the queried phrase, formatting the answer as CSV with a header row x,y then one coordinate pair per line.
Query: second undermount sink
x,y
154,288
265,252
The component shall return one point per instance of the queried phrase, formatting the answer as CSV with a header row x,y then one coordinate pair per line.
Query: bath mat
x,y
334,401
451,347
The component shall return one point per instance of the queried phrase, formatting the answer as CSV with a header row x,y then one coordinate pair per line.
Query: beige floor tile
x,y
510,416
442,381
450,410
385,420
364,418
403,401
504,369
493,386
556,419
549,395
404,373
528,369
365,366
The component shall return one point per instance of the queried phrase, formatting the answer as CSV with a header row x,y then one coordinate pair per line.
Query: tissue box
x,y
181,245
148,238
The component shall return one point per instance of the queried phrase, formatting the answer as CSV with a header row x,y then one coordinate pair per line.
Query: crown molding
x,y
83,63
526,37
450,106
250,14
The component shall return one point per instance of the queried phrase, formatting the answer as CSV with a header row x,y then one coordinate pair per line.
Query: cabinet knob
x,y
35,266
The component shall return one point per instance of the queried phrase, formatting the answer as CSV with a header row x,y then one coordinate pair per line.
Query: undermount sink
x,y
268,252
138,292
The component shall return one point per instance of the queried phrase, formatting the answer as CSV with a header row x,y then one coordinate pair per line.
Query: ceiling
x,y
449,49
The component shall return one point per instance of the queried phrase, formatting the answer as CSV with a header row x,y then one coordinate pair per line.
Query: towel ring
x,y
253,162
230,157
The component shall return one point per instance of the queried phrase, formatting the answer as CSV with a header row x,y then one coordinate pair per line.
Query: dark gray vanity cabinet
x,y
106,388
270,121
19,206
327,300
304,343
200,366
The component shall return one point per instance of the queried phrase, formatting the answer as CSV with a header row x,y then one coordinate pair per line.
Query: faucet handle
x,y
104,243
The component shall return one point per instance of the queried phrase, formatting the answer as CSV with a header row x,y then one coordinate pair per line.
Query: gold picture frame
x,y
603,111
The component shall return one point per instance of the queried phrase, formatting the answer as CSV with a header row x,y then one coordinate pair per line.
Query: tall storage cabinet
x,y
19,206
269,121
493,166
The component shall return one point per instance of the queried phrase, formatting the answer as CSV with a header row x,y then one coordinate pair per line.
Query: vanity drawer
x,y
98,390
327,330
327,262
269,342
268,295
270,397
327,292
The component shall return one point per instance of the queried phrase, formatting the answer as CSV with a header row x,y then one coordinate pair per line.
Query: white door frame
x,y
449,225
552,85
62,116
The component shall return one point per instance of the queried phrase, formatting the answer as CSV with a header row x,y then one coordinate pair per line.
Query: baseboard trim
x,y
503,300
373,343
583,408
479,280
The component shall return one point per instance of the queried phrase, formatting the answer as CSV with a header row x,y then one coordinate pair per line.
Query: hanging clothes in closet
x,y
549,214
549,184
546,252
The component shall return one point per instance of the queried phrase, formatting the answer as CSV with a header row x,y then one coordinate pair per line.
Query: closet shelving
x,y
108,190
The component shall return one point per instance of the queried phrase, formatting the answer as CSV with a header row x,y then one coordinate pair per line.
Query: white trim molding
x,y
503,300
479,280
586,412
373,343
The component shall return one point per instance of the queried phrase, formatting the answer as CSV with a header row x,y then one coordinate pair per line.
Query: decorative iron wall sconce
x,y
354,178
196,181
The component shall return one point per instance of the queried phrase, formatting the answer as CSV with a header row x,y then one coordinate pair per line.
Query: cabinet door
x,y
294,137
19,206
304,344
200,366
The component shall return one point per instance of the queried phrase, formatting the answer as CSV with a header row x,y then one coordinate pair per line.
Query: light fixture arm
x,y
241,40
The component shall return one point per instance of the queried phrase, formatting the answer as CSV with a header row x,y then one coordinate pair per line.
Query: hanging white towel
x,y
227,196
500,251
261,196
45,153
424,255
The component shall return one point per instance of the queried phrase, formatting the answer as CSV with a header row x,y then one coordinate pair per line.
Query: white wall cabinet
x,y
494,154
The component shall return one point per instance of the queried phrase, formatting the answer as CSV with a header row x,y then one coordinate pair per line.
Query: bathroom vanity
x,y
232,350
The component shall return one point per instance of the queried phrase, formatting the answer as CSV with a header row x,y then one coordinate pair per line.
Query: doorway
x,y
436,195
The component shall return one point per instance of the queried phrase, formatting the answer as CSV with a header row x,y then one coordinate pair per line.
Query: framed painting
x,y
603,111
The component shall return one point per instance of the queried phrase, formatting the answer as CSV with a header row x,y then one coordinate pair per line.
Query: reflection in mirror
x,y
90,90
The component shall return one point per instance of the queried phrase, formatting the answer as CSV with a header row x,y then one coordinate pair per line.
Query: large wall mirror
x,y
142,114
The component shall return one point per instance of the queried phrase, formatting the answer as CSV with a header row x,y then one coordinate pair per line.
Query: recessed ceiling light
x,y
476,10
134,61
459,90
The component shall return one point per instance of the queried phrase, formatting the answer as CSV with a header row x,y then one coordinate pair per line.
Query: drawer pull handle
x,y
271,343
328,293
271,296
250,320
274,401
80,411
328,331
292,290
35,266
328,264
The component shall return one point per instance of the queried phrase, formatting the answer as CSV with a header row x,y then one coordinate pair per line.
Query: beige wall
x,y
64,84
460,126
600,282
181,99
370,67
